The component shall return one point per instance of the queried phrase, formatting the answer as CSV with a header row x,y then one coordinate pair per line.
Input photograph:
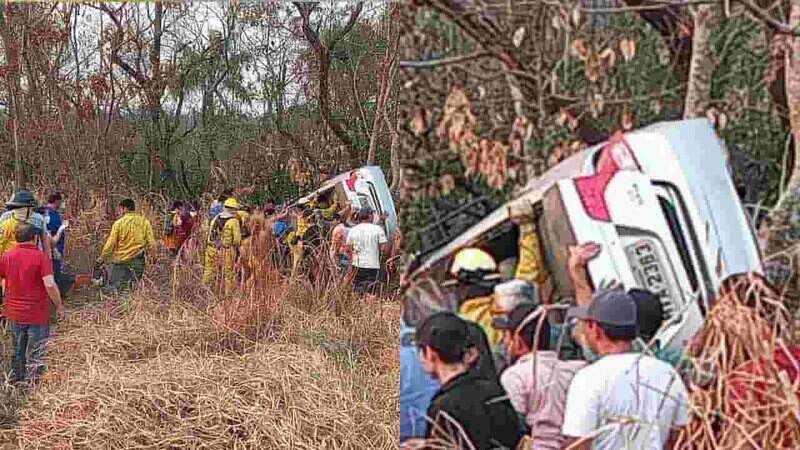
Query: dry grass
x,y
289,364
741,401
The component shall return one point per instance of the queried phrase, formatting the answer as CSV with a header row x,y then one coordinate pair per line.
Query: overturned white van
x,y
362,187
661,203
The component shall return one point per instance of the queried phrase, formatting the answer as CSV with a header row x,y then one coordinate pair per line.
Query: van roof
x,y
330,182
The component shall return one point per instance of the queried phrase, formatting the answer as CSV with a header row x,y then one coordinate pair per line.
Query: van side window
x,y
671,215
375,199
691,240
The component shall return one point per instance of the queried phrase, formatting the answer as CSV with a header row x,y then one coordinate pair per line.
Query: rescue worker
x,y
130,238
475,275
177,227
478,272
254,250
294,239
224,239
21,209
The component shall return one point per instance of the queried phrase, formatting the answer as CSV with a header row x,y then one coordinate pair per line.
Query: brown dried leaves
x,y
597,62
297,174
480,156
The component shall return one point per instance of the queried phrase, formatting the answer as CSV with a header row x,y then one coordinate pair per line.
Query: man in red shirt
x,y
28,274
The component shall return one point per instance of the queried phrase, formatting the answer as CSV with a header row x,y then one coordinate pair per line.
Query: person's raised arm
x,y
579,257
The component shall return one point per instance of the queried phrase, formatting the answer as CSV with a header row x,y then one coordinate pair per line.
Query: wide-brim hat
x,y
22,199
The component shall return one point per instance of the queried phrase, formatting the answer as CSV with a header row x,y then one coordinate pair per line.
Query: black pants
x,y
365,280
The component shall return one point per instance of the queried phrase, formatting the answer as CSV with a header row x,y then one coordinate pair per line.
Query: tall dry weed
x,y
280,363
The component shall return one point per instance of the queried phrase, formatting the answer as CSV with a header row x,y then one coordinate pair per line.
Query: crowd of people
x,y
495,363
236,244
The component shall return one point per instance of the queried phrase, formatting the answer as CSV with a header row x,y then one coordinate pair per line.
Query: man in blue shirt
x,y
417,388
55,227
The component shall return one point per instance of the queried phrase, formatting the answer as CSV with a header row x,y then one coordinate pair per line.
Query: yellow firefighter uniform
x,y
222,249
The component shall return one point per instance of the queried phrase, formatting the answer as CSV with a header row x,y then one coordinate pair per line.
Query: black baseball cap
x,y
516,318
446,333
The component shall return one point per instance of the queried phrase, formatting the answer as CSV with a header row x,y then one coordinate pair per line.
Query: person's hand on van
x,y
580,255
609,285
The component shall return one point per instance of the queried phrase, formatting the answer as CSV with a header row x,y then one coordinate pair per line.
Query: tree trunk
x,y
394,157
323,52
790,199
707,18
13,49
385,87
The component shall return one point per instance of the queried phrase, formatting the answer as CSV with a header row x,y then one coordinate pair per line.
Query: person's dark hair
x,y
649,312
484,366
446,334
269,207
54,197
177,204
24,233
528,334
364,215
225,194
128,204
617,332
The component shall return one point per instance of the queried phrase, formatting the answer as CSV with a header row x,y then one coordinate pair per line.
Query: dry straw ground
x,y
288,364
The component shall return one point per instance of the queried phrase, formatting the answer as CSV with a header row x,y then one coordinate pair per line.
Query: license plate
x,y
648,268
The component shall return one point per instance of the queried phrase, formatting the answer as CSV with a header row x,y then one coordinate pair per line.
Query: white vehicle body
x,y
362,187
667,218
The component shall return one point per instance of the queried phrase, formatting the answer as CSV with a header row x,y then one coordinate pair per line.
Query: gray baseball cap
x,y
512,293
613,307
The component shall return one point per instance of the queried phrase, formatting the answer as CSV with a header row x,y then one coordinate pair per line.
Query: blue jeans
x,y
30,342
57,271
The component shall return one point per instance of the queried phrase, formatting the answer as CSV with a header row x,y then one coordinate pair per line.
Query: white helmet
x,y
473,260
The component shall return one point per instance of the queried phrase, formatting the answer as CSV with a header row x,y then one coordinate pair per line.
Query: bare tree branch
x,y
764,16
443,61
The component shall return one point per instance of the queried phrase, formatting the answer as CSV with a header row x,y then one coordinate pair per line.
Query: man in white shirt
x,y
624,399
366,242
